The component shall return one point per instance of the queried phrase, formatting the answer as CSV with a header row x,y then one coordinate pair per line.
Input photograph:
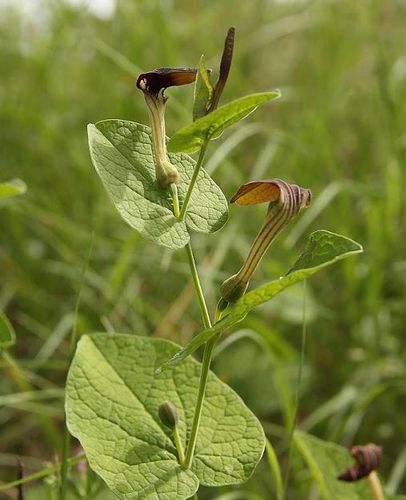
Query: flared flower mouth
x,y
160,79
285,202
271,191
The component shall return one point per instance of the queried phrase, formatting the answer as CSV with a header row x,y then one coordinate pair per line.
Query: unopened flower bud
x,y
168,414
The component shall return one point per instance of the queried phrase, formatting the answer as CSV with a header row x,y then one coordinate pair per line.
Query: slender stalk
x,y
208,351
207,357
198,286
375,486
178,444
193,180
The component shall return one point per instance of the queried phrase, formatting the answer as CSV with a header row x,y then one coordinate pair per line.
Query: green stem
x,y
193,180
178,444
198,286
40,474
208,351
207,355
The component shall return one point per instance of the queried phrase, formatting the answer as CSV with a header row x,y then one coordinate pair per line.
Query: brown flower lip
x,y
162,78
367,458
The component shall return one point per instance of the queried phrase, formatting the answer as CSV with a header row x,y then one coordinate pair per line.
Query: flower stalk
x,y
169,416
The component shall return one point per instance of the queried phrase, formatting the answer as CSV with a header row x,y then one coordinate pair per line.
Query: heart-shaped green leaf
x,y
322,249
112,397
190,138
326,461
7,334
11,188
121,152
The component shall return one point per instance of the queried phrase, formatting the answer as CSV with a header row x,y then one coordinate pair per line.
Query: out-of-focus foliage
x,y
338,129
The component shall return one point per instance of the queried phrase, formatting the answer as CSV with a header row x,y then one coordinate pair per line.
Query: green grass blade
x,y
275,469
7,334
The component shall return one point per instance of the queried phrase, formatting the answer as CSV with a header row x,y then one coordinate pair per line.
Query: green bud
x,y
168,414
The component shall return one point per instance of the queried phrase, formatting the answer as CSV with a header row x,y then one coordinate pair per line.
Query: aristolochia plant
x,y
155,423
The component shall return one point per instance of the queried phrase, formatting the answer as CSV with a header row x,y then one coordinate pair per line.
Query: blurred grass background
x,y
339,129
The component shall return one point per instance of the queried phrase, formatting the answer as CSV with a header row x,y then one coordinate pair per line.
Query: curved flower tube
x,y
285,202
153,85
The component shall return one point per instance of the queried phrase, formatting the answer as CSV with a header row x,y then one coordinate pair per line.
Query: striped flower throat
x,y
285,202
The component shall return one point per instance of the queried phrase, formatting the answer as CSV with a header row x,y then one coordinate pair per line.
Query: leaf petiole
x,y
193,180
178,444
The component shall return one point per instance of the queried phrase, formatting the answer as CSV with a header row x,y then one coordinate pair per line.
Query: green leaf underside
x,y
190,138
322,249
7,334
326,461
112,397
121,152
203,92
12,188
